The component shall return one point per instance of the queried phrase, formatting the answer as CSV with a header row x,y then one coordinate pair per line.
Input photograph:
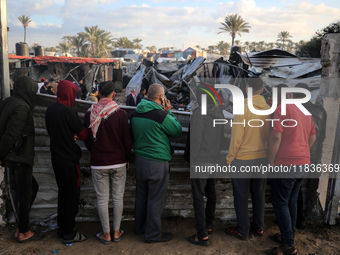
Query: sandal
x,y
283,251
103,241
210,231
118,239
35,237
192,239
276,238
77,238
234,232
259,233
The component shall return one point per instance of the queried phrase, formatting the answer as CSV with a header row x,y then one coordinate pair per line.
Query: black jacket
x,y
130,100
319,118
16,123
140,96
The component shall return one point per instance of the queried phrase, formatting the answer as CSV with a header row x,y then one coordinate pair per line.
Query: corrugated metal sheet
x,y
43,60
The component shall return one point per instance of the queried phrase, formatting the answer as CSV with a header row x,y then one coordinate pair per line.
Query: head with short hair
x,y
155,91
105,88
256,84
300,85
279,92
143,91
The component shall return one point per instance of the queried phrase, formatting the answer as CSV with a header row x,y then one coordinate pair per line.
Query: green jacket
x,y
16,123
151,128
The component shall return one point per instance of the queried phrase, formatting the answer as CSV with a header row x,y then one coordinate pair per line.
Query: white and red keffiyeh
x,y
101,110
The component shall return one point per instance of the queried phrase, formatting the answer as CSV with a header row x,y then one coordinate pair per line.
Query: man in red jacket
x,y
63,127
110,145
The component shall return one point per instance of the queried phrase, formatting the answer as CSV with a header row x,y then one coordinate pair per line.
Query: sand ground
x,y
316,238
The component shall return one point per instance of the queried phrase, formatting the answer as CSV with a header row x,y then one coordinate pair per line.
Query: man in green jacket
x,y
152,124
17,151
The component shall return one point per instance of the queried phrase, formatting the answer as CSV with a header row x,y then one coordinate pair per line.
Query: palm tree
x,y
211,48
283,36
137,41
24,21
124,42
247,46
64,47
234,24
223,47
79,45
52,49
271,45
105,42
98,39
253,45
261,45
151,48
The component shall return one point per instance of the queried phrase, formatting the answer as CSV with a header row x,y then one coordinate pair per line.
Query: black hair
x,y
300,85
105,88
255,82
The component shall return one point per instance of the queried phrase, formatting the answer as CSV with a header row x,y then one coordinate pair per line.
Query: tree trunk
x,y
24,34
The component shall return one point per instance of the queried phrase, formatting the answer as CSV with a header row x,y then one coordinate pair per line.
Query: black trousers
x,y
24,189
152,179
204,216
68,181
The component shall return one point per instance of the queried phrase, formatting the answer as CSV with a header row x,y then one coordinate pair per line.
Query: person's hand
x,y
75,137
167,105
127,166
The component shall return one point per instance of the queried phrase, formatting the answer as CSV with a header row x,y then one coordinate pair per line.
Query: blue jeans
x,y
284,198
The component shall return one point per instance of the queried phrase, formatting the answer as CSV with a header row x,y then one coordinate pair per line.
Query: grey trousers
x,y
241,189
152,179
101,182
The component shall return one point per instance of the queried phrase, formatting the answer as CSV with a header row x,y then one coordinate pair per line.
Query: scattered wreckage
x,y
272,66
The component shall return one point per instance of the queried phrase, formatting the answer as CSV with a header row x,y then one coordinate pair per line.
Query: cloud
x,y
161,23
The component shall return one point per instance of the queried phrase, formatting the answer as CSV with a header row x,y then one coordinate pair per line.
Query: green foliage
x,y
24,21
331,28
311,48
283,37
234,25
223,47
124,42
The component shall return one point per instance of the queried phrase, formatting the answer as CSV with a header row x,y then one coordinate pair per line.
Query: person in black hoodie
x,y
64,127
17,151
205,146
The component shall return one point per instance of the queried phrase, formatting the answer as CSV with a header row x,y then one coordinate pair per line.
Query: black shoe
x,y
139,233
164,237
300,225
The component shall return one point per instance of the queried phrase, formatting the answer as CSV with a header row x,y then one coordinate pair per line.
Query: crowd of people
x,y
110,138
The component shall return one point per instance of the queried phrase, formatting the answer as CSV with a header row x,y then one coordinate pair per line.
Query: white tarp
x,y
136,81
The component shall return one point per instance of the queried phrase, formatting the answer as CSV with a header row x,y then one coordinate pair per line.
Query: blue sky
x,y
178,23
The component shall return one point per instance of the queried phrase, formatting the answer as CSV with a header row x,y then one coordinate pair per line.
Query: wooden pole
x,y
5,87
